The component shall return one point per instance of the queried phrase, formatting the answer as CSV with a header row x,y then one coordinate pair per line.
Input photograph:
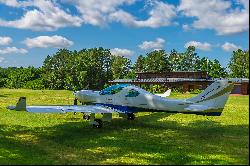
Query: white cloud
x,y
121,52
46,15
186,27
229,47
5,40
160,15
13,50
48,41
12,3
202,46
96,12
1,59
152,45
218,15
49,15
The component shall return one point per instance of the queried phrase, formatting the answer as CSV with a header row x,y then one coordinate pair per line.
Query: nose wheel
x,y
97,123
131,116
86,117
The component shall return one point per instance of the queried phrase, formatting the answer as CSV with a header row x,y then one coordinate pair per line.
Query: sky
x,y
32,29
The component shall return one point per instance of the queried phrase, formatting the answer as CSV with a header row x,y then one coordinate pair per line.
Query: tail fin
x,y
167,93
215,95
20,106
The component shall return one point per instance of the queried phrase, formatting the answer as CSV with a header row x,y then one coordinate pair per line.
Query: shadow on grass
x,y
142,141
4,95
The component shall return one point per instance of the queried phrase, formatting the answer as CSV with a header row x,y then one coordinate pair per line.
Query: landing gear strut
x,y
131,116
97,123
75,101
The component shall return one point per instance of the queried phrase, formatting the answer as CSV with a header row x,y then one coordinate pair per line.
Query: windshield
x,y
113,89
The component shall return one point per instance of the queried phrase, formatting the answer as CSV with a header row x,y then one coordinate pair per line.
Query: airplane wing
x,y
73,108
86,109
21,105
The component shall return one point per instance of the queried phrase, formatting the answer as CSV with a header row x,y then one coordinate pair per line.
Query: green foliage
x,y
239,64
18,77
130,75
214,69
93,68
139,64
4,72
86,69
196,91
120,67
176,90
35,84
156,89
156,61
186,61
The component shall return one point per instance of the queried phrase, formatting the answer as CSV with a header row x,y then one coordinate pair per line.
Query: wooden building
x,y
185,80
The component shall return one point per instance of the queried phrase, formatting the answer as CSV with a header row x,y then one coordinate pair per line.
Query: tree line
x,y
93,68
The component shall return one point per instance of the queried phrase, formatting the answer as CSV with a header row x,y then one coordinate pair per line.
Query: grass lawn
x,y
152,138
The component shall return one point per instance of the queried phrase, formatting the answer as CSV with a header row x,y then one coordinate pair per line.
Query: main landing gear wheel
x,y
131,116
98,123
86,117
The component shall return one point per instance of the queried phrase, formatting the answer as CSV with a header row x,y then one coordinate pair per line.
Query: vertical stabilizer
x,y
21,104
215,95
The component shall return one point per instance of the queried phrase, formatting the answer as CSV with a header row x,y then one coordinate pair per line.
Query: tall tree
x,y
239,64
215,70
120,67
175,60
139,64
157,61
189,59
56,68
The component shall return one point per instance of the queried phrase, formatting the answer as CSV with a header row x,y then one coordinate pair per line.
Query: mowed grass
x,y
152,138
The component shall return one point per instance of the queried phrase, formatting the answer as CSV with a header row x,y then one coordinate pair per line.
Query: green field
x,y
152,138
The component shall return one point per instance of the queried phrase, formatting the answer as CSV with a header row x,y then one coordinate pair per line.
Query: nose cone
x,y
86,95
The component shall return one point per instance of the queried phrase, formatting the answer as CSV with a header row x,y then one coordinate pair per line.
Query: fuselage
x,y
132,97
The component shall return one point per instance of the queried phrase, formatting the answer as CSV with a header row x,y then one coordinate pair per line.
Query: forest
x,y
93,68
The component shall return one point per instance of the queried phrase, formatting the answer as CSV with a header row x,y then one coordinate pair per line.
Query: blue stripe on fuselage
x,y
128,109
124,109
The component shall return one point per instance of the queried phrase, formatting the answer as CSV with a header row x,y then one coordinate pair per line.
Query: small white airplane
x,y
127,99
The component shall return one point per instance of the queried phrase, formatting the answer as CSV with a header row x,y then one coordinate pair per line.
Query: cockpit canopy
x,y
113,89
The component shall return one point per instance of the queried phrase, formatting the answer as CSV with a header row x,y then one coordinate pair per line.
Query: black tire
x,y
99,125
131,116
86,117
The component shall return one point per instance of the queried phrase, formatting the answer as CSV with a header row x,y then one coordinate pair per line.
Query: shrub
x,y
35,84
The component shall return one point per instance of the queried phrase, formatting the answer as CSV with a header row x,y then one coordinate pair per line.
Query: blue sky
x,y
32,29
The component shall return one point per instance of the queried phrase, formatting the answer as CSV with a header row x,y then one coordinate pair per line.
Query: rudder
x,y
21,104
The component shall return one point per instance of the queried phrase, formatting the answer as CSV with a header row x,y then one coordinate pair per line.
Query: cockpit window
x,y
113,89
132,93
